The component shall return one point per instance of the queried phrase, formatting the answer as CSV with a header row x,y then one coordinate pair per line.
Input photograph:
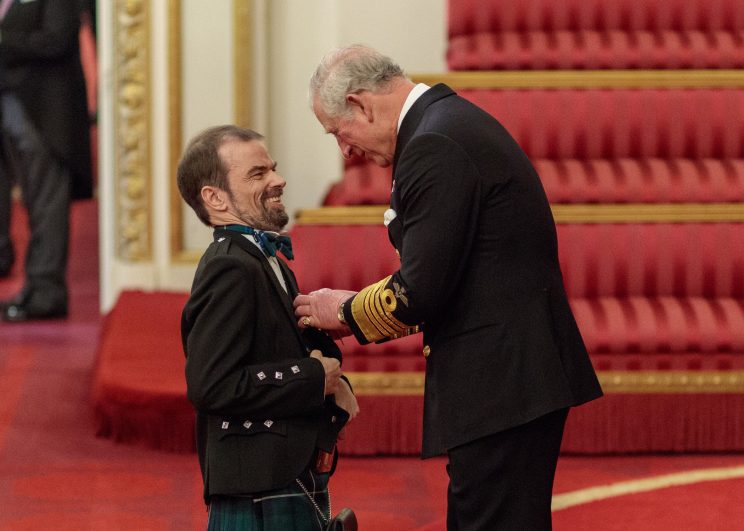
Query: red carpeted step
x,y
139,391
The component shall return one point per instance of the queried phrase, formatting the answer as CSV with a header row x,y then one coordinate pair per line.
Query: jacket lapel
x,y
407,129
414,115
286,297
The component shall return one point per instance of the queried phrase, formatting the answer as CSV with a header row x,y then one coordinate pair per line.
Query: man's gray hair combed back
x,y
349,70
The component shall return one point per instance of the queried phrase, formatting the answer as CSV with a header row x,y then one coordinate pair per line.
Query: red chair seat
x,y
590,49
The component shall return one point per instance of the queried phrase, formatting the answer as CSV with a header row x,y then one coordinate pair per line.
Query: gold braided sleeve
x,y
372,311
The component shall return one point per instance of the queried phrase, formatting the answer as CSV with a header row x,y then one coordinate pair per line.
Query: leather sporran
x,y
343,521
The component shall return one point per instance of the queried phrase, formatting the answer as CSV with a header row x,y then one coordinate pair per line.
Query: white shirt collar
x,y
273,262
415,94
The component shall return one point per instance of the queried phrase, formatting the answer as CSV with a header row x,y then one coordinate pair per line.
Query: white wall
x,y
413,32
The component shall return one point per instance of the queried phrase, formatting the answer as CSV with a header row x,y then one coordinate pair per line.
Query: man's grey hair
x,y
350,70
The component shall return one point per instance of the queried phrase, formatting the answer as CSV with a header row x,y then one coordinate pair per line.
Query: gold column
x,y
132,130
242,61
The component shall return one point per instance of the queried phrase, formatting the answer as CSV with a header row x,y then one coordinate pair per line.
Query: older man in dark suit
x,y
44,132
479,275
270,398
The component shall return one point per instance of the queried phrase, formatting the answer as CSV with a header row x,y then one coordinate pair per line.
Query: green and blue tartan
x,y
287,509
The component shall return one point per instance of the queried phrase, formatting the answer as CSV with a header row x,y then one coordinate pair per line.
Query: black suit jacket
x,y
40,63
261,410
480,275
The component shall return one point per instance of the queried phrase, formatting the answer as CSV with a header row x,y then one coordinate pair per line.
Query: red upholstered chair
x,y
623,145
607,146
620,123
642,180
595,34
363,183
659,297
641,289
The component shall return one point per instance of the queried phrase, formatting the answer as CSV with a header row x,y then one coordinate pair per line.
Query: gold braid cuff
x,y
372,310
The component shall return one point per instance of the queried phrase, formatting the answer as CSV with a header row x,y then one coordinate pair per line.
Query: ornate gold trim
x,y
242,68
242,61
578,213
585,79
650,213
672,381
627,382
175,127
132,130
342,215
387,383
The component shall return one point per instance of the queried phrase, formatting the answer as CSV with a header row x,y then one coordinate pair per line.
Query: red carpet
x,y
56,474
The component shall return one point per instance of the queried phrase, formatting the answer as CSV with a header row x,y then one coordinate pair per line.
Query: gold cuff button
x,y
427,351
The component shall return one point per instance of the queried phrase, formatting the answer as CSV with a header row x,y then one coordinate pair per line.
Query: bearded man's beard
x,y
274,218
270,218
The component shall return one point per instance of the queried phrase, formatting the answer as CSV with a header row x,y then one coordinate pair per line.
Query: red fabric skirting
x,y
386,425
139,397
614,424
161,422
635,423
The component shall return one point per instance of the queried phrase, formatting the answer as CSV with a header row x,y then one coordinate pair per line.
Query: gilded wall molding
x,y
242,61
617,382
649,213
585,79
242,16
175,126
563,213
132,130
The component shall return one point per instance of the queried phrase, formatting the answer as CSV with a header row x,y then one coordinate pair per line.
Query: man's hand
x,y
319,309
345,399
332,368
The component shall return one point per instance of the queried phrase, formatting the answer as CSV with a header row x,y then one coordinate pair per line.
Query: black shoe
x,y
28,306
19,312
20,298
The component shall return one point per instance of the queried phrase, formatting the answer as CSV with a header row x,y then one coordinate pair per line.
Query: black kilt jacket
x,y
259,398
479,275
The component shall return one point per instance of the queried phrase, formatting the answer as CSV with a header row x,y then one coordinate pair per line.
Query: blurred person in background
x,y
45,141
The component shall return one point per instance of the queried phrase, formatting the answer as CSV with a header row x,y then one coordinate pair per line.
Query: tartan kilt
x,y
288,508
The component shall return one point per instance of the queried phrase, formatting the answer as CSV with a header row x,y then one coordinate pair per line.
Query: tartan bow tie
x,y
269,241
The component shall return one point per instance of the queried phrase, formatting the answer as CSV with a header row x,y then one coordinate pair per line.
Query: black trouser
x,y
504,481
6,185
45,186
